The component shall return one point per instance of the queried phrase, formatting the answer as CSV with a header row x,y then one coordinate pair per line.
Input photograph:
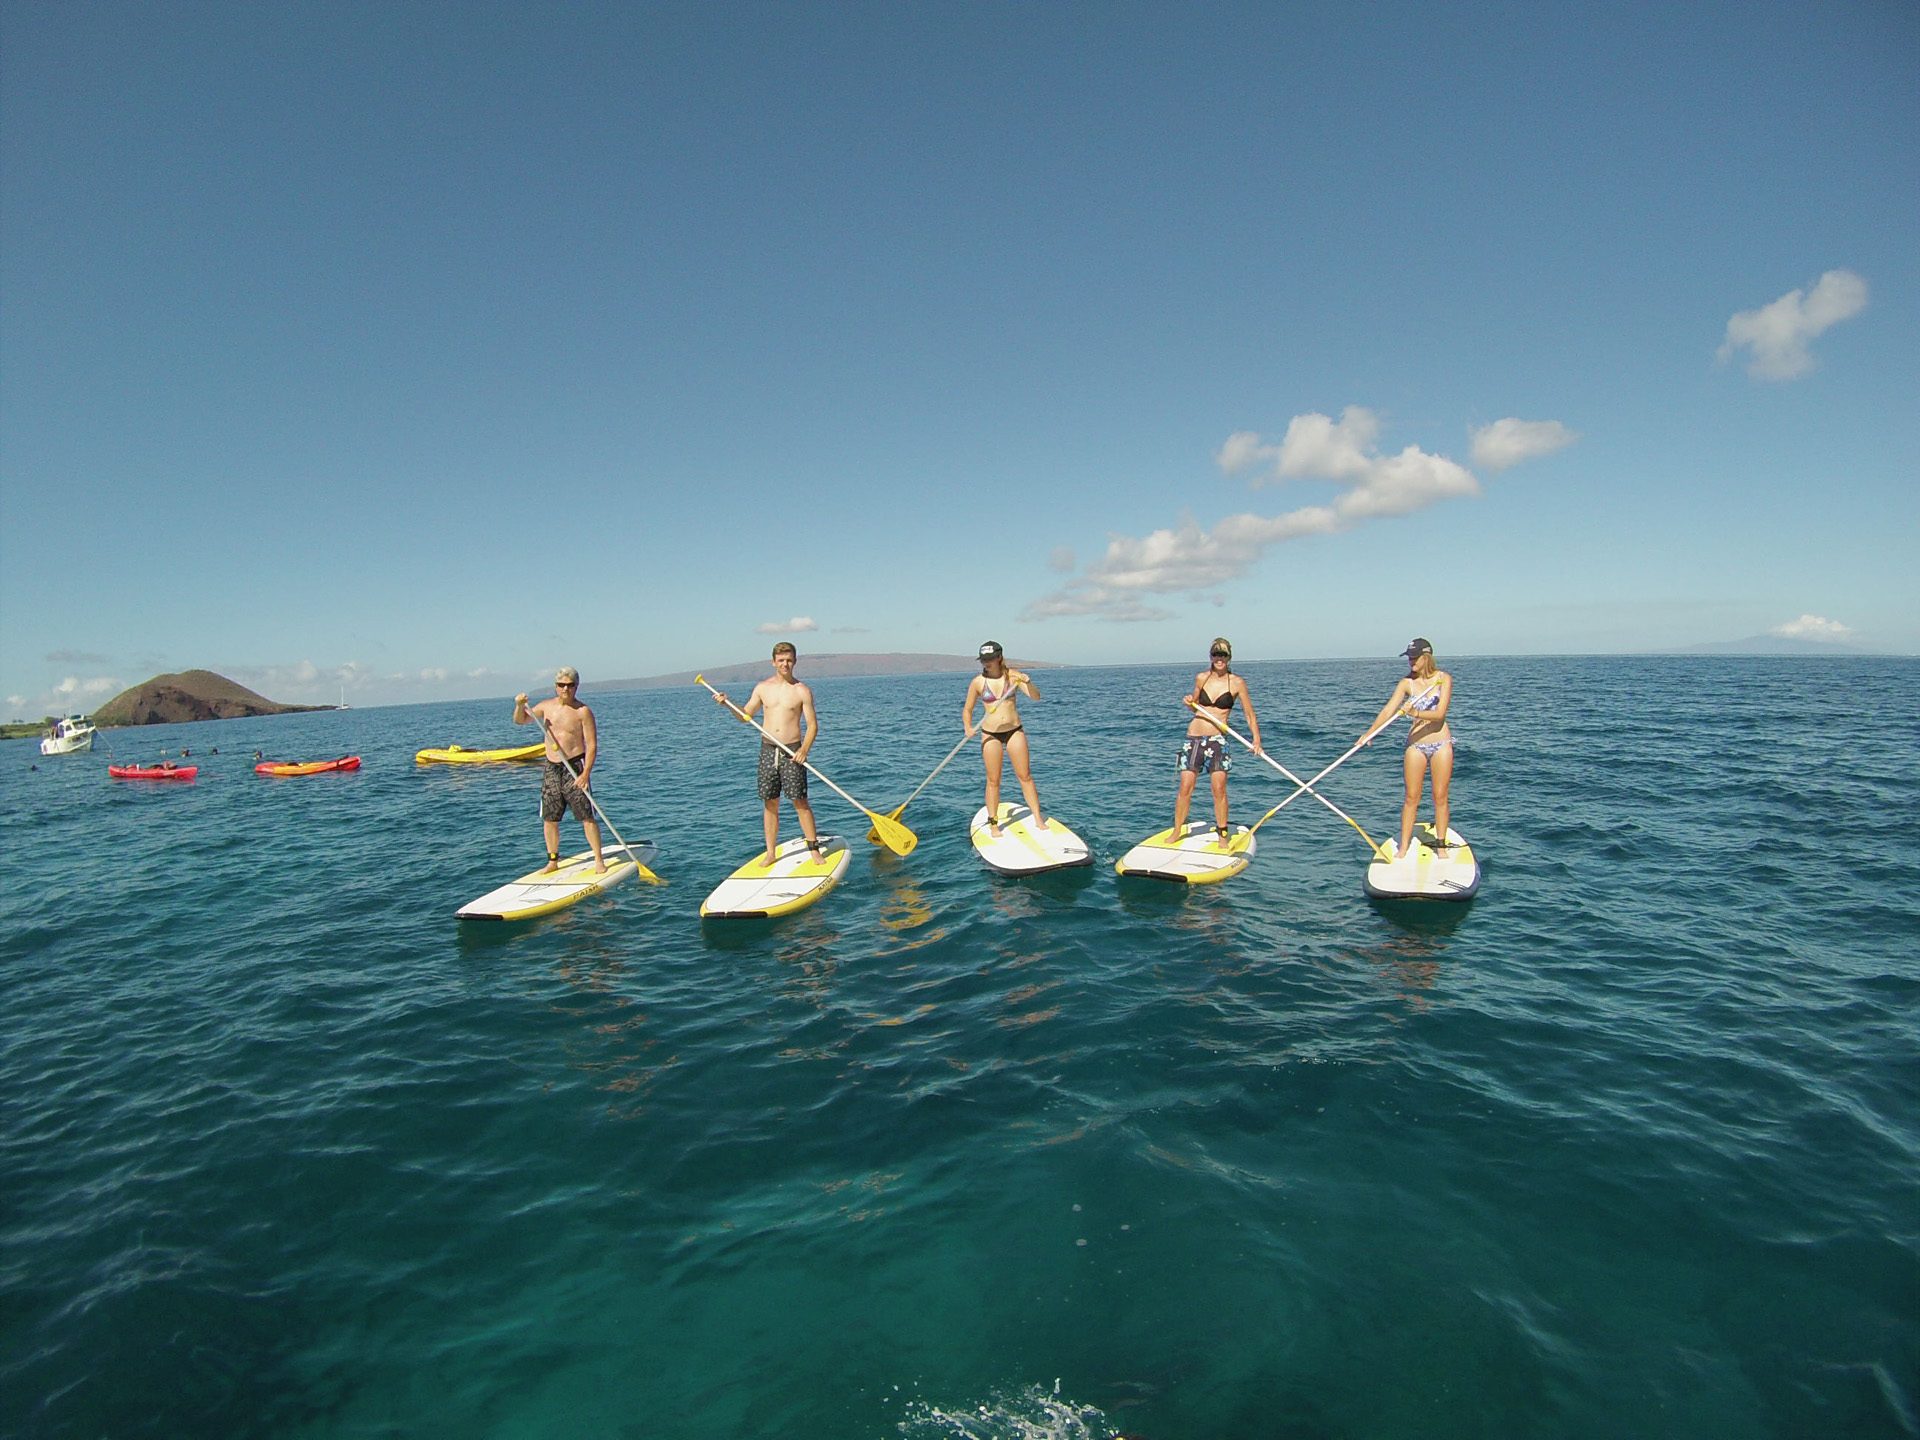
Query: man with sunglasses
x,y
572,747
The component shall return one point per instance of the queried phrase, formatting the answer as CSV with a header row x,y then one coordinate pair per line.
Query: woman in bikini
x,y
1002,735
1422,697
1205,752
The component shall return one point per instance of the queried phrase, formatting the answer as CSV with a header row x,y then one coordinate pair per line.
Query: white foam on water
x,y
1030,1414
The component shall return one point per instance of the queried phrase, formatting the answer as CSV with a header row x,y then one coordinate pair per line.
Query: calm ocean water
x,y
1628,1147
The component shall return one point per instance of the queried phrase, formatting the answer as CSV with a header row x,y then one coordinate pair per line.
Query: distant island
x,y
189,695
821,667
1776,645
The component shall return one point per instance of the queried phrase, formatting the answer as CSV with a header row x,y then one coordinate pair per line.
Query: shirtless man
x,y
788,703
572,747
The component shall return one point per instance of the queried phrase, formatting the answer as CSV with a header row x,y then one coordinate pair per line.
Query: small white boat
x,y
69,736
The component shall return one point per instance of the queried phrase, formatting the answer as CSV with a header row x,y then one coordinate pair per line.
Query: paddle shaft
x,y
871,815
1365,739
1305,785
873,831
936,770
592,800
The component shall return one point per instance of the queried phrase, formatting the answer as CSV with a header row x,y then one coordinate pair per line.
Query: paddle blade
x,y
895,836
873,831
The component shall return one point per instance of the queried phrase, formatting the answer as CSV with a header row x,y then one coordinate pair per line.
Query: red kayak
x,y
307,767
153,772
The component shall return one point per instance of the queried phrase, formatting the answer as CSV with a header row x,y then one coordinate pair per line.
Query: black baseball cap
x,y
1417,647
991,650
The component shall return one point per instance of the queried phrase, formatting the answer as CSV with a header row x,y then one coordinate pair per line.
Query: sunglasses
x,y
566,684
1220,655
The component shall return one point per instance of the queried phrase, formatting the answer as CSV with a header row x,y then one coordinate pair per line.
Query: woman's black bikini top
x,y
1214,703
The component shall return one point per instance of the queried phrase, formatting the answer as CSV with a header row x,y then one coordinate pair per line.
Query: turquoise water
x,y
1628,1147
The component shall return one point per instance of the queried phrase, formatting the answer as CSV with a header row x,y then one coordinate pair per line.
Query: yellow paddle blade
x,y
646,876
895,836
873,831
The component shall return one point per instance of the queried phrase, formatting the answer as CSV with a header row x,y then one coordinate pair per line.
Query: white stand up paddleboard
x,y
1195,855
1022,849
1425,873
796,878
545,891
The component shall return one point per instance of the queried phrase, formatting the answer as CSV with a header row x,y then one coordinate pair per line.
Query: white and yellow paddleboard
x,y
1022,849
1193,855
1425,873
796,878
545,891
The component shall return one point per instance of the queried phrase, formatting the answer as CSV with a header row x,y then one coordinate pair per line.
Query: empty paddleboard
x,y
1425,873
1194,855
1021,848
796,878
545,891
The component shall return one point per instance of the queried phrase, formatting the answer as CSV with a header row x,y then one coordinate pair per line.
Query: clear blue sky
x,y
420,348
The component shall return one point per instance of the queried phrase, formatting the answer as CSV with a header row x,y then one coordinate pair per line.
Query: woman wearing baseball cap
x,y
1002,736
1215,689
1423,697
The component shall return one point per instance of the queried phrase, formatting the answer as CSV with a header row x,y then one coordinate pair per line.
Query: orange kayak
x,y
307,767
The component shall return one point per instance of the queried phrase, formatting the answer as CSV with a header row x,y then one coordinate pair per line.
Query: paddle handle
x,y
702,680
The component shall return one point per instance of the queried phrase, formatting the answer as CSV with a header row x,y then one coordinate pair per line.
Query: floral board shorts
x,y
1204,754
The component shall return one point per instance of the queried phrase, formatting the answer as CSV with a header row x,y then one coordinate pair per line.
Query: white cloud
x,y
1776,335
1409,481
1813,627
1243,451
433,674
1084,597
16,704
1063,560
798,625
1320,448
74,688
1505,443
1188,558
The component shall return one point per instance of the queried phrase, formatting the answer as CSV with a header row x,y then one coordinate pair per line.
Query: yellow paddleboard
x,y
796,878
545,891
461,755
1193,855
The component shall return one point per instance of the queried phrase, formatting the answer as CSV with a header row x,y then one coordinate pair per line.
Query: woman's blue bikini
x,y
1429,748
